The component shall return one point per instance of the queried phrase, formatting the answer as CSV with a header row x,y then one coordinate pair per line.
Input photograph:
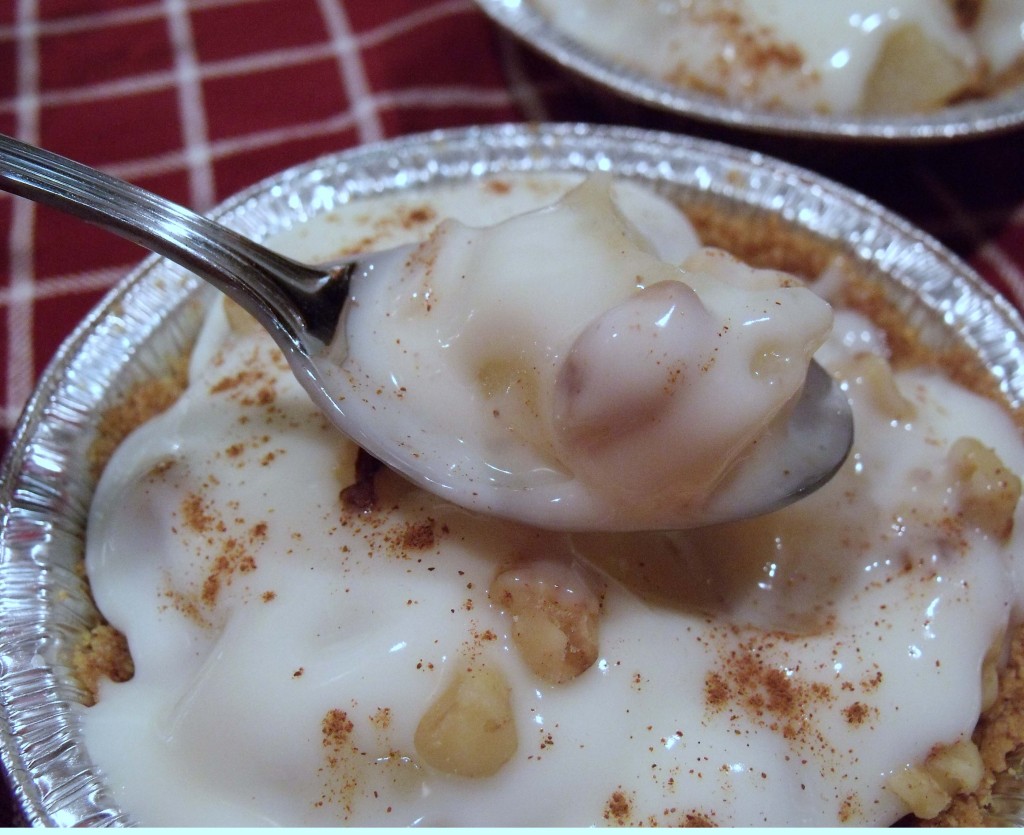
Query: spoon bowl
x,y
302,306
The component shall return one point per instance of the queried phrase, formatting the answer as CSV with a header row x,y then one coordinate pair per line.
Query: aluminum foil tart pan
x,y
153,315
973,118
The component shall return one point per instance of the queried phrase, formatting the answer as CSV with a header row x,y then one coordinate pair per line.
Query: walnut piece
x,y
469,730
874,373
554,618
915,73
987,492
240,320
929,788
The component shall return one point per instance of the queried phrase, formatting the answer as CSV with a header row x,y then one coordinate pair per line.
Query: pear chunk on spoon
x,y
303,308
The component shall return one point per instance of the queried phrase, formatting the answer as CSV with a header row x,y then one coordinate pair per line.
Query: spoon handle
x,y
279,292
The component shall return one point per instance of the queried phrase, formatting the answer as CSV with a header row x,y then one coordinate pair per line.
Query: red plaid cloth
x,y
196,99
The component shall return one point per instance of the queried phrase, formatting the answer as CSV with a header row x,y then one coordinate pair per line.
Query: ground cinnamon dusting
x,y
618,808
499,187
195,514
234,558
419,535
418,216
752,53
857,713
697,819
745,682
335,728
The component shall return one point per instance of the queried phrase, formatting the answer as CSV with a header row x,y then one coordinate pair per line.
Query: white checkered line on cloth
x,y
197,153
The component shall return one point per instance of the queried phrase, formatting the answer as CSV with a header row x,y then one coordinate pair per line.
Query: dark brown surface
x,y
10,815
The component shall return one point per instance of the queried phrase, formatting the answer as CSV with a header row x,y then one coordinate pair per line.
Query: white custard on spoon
x,y
598,382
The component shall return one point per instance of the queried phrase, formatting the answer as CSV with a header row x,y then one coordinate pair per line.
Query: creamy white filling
x,y
773,52
772,672
624,385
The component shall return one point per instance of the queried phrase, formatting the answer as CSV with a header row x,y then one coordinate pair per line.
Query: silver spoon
x,y
301,307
